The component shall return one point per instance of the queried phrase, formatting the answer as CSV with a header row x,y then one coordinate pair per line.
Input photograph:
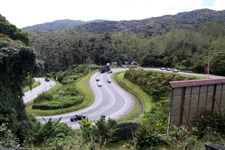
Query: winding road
x,y
32,94
109,100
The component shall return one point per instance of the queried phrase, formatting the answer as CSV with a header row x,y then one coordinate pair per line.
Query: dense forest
x,y
180,41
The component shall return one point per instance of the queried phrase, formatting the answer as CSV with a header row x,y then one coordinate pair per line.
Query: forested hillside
x,y
13,32
181,41
186,20
59,24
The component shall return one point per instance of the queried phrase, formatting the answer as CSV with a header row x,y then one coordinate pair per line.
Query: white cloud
x,y
218,5
26,12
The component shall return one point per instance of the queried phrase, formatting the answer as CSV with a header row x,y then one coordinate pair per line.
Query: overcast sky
x,y
24,13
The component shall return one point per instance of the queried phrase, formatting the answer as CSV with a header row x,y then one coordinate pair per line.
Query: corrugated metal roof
x,y
188,83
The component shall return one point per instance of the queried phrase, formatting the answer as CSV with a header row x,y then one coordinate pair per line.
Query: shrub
x,y
7,139
214,123
57,103
155,83
70,91
101,132
50,129
149,136
43,97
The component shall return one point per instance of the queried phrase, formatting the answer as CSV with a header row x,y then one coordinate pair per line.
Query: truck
x,y
105,68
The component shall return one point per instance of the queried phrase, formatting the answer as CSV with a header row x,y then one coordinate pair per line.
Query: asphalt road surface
x,y
109,100
32,94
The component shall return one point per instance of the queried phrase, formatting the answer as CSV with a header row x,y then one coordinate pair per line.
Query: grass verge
x,y
136,90
27,88
84,88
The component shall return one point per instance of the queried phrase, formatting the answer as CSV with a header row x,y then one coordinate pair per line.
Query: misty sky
x,y
24,13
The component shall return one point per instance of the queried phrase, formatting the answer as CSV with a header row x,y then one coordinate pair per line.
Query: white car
x,y
175,70
108,80
97,79
99,84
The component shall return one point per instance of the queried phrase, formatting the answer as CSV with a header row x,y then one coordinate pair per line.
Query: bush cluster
x,y
154,134
155,83
214,123
43,97
74,72
101,132
57,103
39,133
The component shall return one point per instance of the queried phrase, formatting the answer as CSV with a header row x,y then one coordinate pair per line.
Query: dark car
x,y
47,79
77,117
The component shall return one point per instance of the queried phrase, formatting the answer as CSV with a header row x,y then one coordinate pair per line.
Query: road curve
x,y
109,100
32,94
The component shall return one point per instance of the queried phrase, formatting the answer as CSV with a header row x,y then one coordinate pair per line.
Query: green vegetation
x,y
16,62
101,132
14,33
76,94
136,90
155,83
180,41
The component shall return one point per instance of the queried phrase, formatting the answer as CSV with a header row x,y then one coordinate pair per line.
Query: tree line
x,y
182,48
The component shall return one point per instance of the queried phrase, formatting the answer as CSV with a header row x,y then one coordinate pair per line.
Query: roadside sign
x,y
207,68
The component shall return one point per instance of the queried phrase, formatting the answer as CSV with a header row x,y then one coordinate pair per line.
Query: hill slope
x,y
196,19
59,24
12,31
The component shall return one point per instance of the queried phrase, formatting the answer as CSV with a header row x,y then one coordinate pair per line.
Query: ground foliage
x,y
155,83
69,95
102,131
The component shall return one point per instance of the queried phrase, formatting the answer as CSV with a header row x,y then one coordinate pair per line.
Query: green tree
x,y
15,63
217,64
175,61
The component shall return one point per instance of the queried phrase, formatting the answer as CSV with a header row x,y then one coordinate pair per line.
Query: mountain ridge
x,y
196,17
60,24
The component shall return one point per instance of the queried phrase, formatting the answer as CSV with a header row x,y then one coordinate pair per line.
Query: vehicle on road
x,y
168,69
97,79
162,68
47,79
109,71
175,70
77,117
105,68
99,84
108,80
